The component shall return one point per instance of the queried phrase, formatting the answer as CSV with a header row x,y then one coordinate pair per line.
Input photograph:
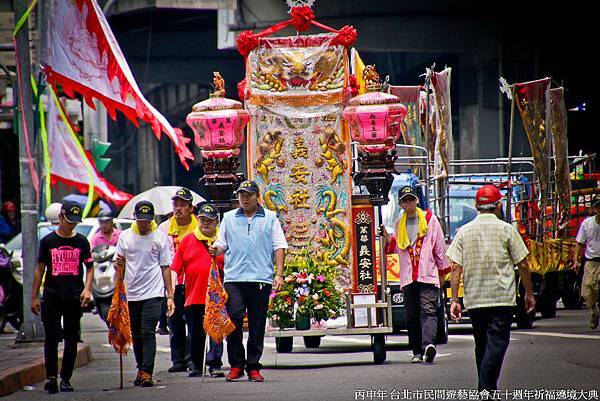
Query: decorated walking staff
x,y
217,323
119,329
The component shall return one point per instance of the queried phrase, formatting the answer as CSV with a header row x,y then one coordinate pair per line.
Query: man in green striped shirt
x,y
486,251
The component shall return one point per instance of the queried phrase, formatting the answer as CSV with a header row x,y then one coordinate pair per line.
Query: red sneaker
x,y
255,376
234,374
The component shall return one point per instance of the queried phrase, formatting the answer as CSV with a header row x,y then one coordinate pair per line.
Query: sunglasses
x,y
407,199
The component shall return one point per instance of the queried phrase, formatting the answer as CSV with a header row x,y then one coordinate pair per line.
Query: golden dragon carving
x,y
270,148
336,240
331,147
274,199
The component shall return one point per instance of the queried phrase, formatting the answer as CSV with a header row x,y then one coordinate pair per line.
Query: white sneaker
x,y
430,352
416,359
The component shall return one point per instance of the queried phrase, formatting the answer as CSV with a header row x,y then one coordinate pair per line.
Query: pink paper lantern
x,y
374,119
218,124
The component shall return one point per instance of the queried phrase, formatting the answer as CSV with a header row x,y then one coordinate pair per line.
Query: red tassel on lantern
x,y
302,18
354,86
246,42
346,36
241,87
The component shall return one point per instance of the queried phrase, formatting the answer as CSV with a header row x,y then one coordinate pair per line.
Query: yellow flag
x,y
358,67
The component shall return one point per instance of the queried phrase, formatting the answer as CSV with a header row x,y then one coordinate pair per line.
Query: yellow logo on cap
x,y
181,192
145,209
207,209
75,210
246,184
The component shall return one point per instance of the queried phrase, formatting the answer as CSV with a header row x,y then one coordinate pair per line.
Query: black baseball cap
x,y
183,193
72,211
208,210
406,191
248,186
596,201
143,210
105,215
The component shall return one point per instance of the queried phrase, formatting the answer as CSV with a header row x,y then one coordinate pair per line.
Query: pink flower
x,y
320,278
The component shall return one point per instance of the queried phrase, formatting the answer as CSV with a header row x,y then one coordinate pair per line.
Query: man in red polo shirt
x,y
193,260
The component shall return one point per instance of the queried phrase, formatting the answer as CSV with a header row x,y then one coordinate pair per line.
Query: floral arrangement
x,y
308,291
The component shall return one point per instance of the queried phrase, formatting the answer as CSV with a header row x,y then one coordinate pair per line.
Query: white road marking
x,y
349,340
463,337
562,335
469,337
437,355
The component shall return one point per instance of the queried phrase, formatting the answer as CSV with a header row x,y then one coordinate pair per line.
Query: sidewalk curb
x,y
16,378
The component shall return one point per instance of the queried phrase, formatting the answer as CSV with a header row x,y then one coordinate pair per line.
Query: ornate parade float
x,y
299,152
327,148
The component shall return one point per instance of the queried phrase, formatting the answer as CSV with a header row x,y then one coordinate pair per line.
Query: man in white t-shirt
x,y
144,251
588,238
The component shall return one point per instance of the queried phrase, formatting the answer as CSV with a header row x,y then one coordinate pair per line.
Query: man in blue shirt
x,y
250,237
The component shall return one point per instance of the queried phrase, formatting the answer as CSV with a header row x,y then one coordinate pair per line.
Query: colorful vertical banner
x,y
298,145
428,119
365,255
411,128
217,323
532,99
440,83
558,125
119,326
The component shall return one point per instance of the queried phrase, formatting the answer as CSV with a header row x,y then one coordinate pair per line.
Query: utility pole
x,y
31,328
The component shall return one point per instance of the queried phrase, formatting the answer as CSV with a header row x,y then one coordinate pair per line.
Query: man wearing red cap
x,y
485,251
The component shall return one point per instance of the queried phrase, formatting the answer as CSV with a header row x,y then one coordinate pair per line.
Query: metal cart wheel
x,y
523,319
284,345
312,341
441,336
378,347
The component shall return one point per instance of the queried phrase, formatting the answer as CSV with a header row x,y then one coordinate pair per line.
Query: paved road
x,y
560,354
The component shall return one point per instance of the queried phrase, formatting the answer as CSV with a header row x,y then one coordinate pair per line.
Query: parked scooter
x,y
103,285
11,291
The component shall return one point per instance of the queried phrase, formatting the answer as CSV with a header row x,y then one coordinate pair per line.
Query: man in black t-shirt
x,y
62,255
